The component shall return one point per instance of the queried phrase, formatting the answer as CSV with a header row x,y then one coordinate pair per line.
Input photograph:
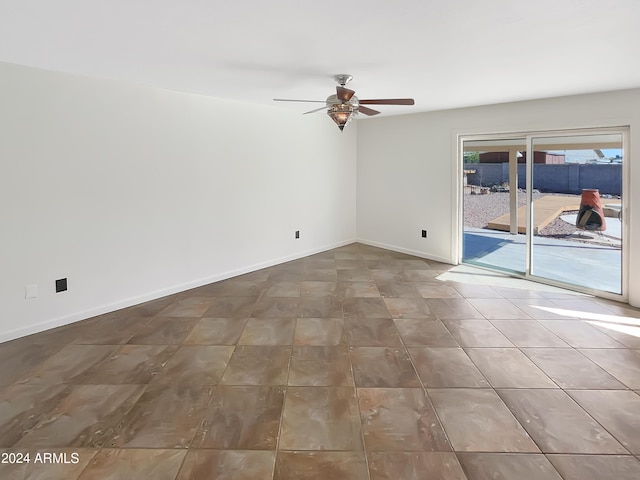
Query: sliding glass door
x,y
576,191
547,206
494,227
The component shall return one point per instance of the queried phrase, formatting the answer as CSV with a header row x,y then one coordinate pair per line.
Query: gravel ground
x,y
479,210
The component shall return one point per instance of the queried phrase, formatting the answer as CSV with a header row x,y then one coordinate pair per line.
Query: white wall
x,y
133,192
407,167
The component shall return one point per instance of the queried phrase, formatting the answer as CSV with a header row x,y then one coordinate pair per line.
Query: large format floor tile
x,y
318,366
579,334
557,423
258,365
397,289
616,410
623,364
476,420
400,419
268,331
164,330
320,331
146,426
69,364
446,367
372,332
131,364
383,367
241,418
528,333
507,466
357,307
495,309
409,308
414,466
87,417
477,333
453,309
541,309
421,333
216,331
320,418
593,467
227,465
571,369
320,466
20,356
110,329
22,407
134,463
509,368
356,363
195,365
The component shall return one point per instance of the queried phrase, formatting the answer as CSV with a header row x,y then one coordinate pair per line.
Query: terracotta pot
x,y
591,215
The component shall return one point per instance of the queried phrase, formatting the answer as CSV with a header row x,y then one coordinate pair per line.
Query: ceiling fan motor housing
x,y
343,78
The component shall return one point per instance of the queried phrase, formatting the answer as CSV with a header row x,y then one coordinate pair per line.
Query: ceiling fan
x,y
344,105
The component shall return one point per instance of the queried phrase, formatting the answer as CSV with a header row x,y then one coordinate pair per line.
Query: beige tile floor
x,y
357,363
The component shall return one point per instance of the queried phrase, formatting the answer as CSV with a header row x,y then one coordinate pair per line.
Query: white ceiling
x,y
445,54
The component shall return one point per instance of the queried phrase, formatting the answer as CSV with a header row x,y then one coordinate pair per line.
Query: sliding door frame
x,y
529,136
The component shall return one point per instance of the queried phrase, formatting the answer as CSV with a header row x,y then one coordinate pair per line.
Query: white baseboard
x,y
131,301
408,251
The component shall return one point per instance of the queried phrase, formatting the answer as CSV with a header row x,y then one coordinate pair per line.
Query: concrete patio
x,y
583,264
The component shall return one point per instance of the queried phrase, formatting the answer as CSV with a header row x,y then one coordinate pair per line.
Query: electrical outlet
x,y
297,233
424,234
61,285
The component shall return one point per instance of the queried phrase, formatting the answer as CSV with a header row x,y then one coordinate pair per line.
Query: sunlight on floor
x,y
598,317
479,276
626,329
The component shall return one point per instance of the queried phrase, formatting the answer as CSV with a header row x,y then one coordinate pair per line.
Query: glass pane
x,y
577,195
494,204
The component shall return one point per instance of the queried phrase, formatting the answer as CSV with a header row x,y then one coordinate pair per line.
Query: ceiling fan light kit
x,y
344,106
342,114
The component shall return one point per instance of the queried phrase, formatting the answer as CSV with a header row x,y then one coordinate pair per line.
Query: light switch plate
x,y
31,291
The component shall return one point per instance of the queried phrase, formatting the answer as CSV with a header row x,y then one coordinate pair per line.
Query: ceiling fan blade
x,y
344,94
289,100
367,111
316,110
388,101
